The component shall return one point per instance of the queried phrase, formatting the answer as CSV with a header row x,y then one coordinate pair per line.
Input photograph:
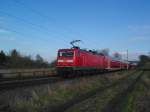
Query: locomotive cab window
x,y
65,54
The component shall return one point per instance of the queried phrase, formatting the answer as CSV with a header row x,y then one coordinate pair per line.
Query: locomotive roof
x,y
89,51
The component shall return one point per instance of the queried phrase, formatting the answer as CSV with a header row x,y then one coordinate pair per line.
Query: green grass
x,y
98,102
132,102
63,92
129,104
95,103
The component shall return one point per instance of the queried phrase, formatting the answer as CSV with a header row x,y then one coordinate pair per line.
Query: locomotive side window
x,y
65,54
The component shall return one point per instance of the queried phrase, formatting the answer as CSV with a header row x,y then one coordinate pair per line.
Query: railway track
x,y
61,108
11,83
17,83
23,78
85,96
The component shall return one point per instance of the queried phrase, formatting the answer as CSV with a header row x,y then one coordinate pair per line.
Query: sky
x,y
44,26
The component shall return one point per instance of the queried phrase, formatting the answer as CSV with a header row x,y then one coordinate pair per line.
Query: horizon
x,y
111,54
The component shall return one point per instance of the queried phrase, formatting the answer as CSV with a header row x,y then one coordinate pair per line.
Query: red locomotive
x,y
76,60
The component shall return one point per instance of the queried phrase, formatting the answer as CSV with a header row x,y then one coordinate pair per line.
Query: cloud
x,y
132,55
140,39
4,38
2,19
3,30
2,24
139,28
132,28
141,33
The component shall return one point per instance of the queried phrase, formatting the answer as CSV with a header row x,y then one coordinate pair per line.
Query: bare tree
x,y
117,56
39,58
14,54
2,58
143,59
149,54
104,51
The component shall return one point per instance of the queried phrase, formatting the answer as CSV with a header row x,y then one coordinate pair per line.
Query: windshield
x,y
65,53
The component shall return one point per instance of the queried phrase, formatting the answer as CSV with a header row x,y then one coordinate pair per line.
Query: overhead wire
x,y
43,29
41,15
38,13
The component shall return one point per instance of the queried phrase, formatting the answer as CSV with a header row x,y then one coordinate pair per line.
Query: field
x,y
122,91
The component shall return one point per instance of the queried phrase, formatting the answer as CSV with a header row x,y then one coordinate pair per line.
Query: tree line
x,y
144,60
16,60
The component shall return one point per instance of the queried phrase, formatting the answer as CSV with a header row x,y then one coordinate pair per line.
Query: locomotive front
x,y
66,60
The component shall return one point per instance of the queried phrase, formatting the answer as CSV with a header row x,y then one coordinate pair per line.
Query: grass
x,y
98,102
62,92
135,100
95,103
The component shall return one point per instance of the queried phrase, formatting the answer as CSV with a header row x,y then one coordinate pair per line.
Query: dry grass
x,y
39,98
101,100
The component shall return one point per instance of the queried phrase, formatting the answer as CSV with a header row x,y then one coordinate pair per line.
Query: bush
x,y
144,60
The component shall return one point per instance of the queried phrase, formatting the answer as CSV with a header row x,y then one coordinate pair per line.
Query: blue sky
x,y
44,26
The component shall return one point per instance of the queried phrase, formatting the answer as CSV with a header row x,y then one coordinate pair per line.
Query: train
x,y
73,61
